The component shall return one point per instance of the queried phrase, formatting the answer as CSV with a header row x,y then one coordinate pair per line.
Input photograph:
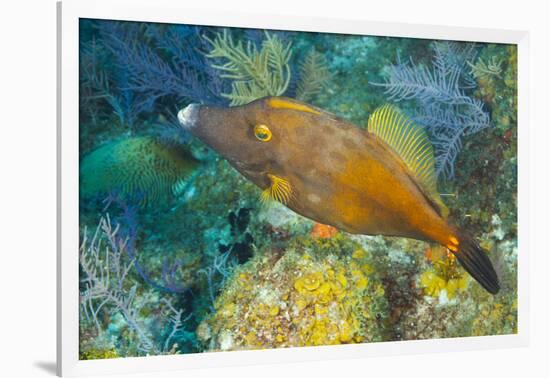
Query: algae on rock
x,y
314,294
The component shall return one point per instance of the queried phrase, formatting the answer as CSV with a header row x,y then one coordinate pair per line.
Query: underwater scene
x,y
252,189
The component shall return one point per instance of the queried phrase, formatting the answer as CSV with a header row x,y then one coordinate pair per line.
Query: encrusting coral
x,y
320,292
444,278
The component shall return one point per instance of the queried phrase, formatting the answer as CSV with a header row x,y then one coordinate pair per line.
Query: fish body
x,y
333,172
137,168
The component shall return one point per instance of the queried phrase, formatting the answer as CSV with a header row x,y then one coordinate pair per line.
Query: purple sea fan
x,y
163,61
101,83
439,94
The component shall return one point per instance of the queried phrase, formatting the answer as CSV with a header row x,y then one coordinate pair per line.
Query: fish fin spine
x,y
407,139
279,190
410,142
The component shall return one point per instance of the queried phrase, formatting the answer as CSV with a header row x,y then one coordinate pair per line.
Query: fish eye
x,y
262,133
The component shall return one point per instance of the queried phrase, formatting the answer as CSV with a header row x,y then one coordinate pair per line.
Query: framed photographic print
x,y
285,189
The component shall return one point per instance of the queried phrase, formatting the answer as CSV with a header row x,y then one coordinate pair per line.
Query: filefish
x,y
140,169
378,181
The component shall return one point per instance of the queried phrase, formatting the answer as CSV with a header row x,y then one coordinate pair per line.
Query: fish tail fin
x,y
475,261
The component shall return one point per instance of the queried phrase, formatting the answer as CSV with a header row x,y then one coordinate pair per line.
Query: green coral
x,y
314,74
97,354
255,73
496,317
309,296
496,75
482,69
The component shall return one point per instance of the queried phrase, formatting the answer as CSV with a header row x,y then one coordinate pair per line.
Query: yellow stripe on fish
x,y
283,103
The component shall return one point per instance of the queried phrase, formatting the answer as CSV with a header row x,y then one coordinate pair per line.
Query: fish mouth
x,y
188,116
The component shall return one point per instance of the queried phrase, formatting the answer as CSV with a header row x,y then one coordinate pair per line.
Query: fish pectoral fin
x,y
279,190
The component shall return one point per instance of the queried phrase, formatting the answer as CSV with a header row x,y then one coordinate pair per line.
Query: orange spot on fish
x,y
454,240
452,248
323,231
428,254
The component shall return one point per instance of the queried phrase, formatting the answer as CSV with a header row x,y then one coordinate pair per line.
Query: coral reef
x,y
255,73
266,71
205,266
110,305
319,292
444,107
100,83
484,69
495,192
314,74
169,64
134,76
444,280
497,82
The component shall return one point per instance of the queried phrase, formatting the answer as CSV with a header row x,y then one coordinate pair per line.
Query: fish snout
x,y
189,116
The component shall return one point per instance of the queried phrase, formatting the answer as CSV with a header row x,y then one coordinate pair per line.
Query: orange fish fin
x,y
410,142
279,190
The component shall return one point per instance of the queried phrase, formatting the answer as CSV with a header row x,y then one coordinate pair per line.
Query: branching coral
x,y
314,74
493,67
171,64
255,72
137,75
295,283
170,282
107,290
99,82
444,108
105,277
217,273
496,75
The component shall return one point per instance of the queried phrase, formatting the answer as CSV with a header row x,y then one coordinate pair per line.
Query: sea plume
x,y
440,94
255,72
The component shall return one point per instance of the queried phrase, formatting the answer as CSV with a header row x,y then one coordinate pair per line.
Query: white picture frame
x,y
69,13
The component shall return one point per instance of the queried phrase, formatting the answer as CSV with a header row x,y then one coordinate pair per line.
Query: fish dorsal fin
x,y
412,144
